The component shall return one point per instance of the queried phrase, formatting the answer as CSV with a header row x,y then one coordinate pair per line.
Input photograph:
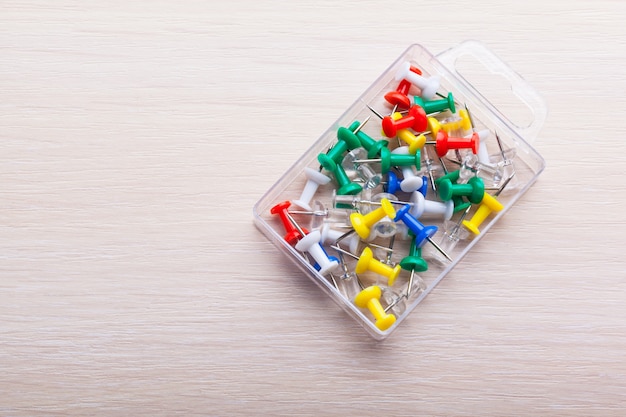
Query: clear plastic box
x,y
511,162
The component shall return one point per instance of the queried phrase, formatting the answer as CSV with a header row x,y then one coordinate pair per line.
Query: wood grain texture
x,y
137,136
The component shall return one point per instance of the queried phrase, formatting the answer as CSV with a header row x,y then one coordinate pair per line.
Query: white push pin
x,y
428,86
423,207
311,244
483,153
314,180
411,182
330,235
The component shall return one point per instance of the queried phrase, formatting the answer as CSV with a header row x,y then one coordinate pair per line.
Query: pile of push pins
x,y
379,211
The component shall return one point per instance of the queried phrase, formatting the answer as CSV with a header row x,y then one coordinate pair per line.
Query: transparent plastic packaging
x,y
506,164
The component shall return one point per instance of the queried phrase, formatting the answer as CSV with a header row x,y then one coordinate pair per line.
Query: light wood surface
x,y
136,137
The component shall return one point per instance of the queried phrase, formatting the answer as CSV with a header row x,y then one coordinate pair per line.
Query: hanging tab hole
x,y
496,88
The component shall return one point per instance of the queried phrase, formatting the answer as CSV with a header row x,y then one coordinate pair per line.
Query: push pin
x,y
473,190
464,124
411,181
436,106
415,142
399,97
367,262
453,232
370,298
371,179
421,232
428,86
372,145
388,159
416,119
413,263
488,205
444,143
423,207
314,180
345,185
311,244
346,141
292,235
330,235
362,223
429,169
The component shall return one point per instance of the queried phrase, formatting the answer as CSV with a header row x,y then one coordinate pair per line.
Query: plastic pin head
x,y
370,298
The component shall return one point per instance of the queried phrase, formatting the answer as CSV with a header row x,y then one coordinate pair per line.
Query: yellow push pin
x,y
362,223
488,205
370,298
415,142
368,263
464,124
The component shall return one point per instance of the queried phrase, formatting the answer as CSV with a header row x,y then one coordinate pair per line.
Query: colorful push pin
x,y
367,262
399,98
346,140
346,187
393,183
388,159
314,180
330,235
445,143
421,232
463,123
483,152
311,244
411,181
413,263
436,106
362,224
372,145
473,190
292,235
421,207
370,298
488,205
428,86
416,119
415,142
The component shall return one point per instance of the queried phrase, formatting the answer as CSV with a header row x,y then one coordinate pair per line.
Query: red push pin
x,y
445,143
416,119
293,234
399,98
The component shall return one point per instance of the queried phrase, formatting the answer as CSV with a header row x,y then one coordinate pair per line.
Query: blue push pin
x,y
393,183
422,233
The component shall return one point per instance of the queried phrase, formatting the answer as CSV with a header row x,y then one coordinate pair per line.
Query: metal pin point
x,y
380,116
295,224
361,124
322,213
439,249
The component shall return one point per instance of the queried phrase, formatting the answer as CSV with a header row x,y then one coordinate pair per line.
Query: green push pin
x,y
346,187
413,262
346,141
372,145
453,176
388,159
474,190
435,106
